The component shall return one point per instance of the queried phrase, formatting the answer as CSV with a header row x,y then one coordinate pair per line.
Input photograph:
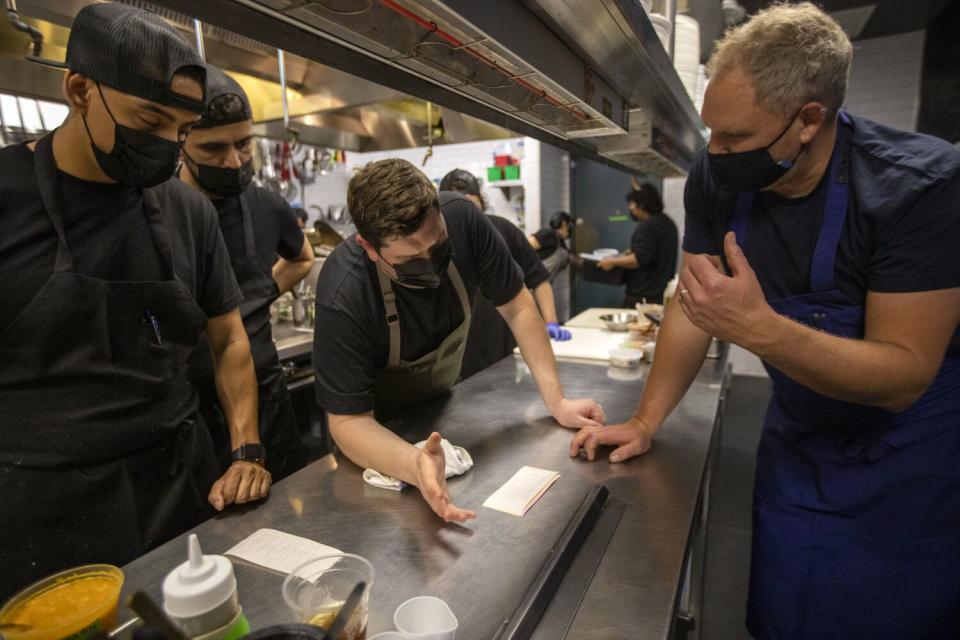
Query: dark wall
x,y
600,206
940,83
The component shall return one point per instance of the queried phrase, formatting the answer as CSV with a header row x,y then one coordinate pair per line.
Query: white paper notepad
x,y
277,550
522,491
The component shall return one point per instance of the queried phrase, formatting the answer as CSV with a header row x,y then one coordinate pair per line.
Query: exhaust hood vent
x,y
567,72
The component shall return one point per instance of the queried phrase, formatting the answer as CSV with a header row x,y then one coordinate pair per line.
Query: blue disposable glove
x,y
558,333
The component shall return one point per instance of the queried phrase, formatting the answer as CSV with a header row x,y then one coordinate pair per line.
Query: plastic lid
x,y
199,585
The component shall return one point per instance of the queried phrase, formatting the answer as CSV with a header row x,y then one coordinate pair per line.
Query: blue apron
x,y
856,509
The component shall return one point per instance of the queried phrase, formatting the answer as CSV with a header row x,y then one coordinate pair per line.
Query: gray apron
x,y
404,383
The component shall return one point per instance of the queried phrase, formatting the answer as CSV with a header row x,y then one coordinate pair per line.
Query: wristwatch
x,y
250,452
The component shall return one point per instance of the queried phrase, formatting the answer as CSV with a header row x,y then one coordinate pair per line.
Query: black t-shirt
x,y
351,342
902,228
654,243
108,236
490,338
275,228
549,240
275,232
534,273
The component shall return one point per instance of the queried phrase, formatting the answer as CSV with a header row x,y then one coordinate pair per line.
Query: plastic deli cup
x,y
316,590
426,618
74,604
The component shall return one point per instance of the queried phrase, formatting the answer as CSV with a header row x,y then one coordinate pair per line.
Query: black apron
x,y
277,420
100,459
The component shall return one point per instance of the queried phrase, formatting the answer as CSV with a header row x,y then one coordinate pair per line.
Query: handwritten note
x,y
278,550
522,491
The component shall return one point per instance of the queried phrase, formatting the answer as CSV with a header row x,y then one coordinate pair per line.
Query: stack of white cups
x,y
422,618
686,52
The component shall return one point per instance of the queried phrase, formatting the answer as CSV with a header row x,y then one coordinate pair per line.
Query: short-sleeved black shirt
x,y
275,228
902,230
351,341
549,240
534,273
490,338
654,243
276,233
108,236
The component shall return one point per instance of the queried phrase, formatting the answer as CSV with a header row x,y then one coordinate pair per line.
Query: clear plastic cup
x,y
317,589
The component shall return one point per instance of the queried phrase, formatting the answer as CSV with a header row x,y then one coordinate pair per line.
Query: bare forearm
x,y
237,389
527,327
863,371
627,261
372,446
681,347
543,294
287,273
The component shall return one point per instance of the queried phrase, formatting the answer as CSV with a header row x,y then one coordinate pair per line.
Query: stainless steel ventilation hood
x,y
589,77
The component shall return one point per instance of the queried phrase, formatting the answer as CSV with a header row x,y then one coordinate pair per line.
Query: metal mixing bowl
x,y
618,321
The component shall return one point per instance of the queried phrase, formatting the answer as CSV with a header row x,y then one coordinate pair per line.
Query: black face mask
x,y
750,170
424,273
138,159
221,182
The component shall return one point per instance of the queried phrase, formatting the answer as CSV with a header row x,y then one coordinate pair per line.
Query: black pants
x,y
278,428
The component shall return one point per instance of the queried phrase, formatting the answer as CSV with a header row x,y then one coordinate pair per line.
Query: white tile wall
x,y
326,191
885,79
554,186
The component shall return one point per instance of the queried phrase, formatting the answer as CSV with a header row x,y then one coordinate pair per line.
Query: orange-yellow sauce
x,y
84,601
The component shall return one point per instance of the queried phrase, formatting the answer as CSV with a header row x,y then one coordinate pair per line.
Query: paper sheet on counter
x,y
522,491
277,550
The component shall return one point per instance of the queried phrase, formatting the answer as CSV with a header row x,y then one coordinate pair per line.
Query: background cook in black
x,y
651,260
490,339
217,160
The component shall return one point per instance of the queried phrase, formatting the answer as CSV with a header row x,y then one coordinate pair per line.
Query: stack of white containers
x,y
686,46
661,24
686,53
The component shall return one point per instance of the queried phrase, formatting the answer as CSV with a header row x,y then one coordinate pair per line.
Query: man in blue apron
x,y
393,311
842,273
489,339
109,271
269,255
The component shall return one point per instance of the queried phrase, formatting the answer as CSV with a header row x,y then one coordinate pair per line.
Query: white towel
x,y
458,462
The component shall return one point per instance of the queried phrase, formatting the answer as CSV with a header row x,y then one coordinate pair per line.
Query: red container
x,y
504,161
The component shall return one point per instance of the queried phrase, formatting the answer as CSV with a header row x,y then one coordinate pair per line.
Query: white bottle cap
x,y
199,585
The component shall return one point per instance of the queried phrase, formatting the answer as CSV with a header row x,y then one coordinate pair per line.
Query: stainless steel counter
x,y
624,583
291,341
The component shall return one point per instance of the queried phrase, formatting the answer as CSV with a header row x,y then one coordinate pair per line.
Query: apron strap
x,y
461,291
249,239
393,318
160,231
45,169
741,215
834,217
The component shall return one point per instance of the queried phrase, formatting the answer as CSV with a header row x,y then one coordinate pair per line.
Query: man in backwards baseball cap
x,y
109,272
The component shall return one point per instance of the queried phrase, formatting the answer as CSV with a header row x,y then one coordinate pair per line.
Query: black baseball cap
x,y
133,51
461,181
227,102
